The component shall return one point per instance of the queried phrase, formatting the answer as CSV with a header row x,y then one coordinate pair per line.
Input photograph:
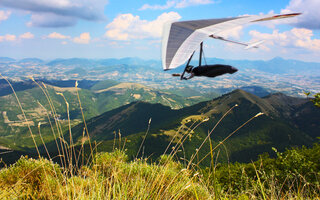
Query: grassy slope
x,y
293,174
245,145
36,106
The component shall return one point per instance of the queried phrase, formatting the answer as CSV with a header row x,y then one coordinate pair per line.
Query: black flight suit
x,y
213,70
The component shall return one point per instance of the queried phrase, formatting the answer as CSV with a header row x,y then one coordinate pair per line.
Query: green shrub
x,y
295,171
29,178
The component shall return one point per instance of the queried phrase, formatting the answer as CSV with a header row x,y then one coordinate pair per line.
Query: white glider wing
x,y
181,39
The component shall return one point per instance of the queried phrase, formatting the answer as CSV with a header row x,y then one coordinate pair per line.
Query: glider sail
x,y
181,39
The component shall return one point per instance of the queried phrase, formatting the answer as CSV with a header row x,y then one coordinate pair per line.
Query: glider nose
x,y
233,70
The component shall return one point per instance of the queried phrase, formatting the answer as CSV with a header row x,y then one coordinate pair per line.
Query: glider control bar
x,y
248,46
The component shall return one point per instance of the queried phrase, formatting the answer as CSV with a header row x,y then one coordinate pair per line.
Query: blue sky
x,y
116,28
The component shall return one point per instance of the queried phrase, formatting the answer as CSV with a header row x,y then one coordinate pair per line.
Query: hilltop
x,y
96,97
279,127
127,108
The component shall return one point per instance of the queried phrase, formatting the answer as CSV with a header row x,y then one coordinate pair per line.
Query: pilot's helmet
x,y
189,68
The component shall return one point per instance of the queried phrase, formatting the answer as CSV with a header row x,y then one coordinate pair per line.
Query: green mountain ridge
x,y
259,136
112,107
100,97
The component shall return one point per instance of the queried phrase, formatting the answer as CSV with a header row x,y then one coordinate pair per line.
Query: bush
x,y
295,171
29,177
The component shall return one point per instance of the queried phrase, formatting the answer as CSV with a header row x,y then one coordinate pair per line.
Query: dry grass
x,y
113,176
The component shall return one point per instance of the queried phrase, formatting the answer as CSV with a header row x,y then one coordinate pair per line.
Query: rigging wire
x,y
204,57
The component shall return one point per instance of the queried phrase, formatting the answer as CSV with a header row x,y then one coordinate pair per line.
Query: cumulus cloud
x,y
56,35
4,15
295,38
310,17
168,5
11,38
176,4
7,37
187,3
128,26
84,38
26,35
57,13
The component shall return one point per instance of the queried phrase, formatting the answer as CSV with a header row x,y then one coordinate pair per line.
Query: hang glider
x,y
181,39
248,46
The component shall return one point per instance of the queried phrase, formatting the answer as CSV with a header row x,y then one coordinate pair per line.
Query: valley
x,y
114,108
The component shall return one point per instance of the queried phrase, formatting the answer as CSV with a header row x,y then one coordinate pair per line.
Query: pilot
x,y
209,70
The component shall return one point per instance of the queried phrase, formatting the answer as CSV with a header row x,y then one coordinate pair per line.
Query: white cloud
x,y
187,3
168,5
11,38
4,15
58,13
176,4
26,35
56,35
128,26
84,38
7,37
310,17
295,38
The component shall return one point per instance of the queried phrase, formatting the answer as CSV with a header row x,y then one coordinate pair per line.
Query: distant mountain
x,y
276,65
277,75
74,62
130,61
32,60
279,127
6,60
91,63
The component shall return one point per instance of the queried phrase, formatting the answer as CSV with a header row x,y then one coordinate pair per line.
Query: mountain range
x,y
96,98
127,109
279,127
291,77
276,65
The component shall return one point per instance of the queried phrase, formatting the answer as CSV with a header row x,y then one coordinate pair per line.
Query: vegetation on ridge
x,y
294,174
